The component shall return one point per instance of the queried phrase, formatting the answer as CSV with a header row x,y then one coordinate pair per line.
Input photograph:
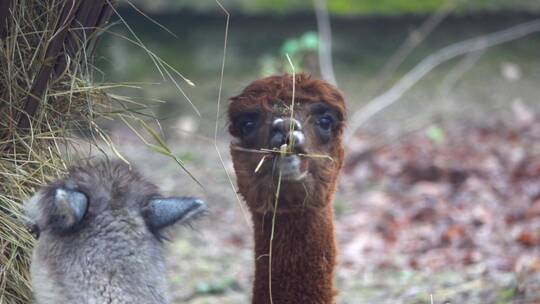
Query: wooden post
x,y
5,6
78,21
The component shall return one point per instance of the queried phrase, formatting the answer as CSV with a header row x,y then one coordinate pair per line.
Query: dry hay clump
x,y
46,94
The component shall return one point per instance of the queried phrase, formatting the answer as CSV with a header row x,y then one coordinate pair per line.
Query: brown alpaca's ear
x,y
163,212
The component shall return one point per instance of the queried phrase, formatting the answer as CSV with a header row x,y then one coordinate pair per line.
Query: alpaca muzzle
x,y
287,131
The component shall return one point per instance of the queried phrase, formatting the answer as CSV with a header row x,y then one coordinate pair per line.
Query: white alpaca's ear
x,y
163,212
58,211
70,208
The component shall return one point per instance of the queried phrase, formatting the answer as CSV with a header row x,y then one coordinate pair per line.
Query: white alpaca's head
x,y
99,236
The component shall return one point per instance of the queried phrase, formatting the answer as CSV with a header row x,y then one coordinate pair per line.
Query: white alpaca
x,y
99,237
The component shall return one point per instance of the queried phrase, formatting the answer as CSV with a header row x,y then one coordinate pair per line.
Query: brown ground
x,y
451,211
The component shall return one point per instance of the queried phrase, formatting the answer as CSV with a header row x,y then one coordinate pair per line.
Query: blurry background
x,y
440,195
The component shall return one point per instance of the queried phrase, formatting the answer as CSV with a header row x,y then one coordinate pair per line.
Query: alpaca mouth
x,y
292,167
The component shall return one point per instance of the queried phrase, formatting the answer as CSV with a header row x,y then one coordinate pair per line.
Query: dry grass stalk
x,y
45,93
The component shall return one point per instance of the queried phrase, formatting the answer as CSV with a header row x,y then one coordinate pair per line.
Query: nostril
x,y
278,124
277,140
281,133
298,138
293,125
297,125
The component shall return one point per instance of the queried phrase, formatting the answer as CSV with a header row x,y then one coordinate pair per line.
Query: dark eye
x,y
247,123
325,122
247,126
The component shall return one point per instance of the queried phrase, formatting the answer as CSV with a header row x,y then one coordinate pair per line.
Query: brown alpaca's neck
x,y
303,257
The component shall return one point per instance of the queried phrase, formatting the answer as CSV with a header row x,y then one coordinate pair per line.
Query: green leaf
x,y
291,46
309,41
435,134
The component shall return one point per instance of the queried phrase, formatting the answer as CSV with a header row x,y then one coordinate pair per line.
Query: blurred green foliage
x,y
302,51
340,7
435,134
217,287
383,7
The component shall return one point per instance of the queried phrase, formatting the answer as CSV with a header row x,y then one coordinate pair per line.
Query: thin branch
x,y
452,51
325,42
458,72
413,40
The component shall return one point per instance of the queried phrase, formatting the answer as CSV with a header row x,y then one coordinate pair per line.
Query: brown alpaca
x,y
303,254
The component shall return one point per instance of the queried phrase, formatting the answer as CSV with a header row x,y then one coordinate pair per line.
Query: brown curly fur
x,y
304,248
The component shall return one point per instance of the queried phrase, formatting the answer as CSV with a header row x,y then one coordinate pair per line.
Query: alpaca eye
x,y
247,126
325,122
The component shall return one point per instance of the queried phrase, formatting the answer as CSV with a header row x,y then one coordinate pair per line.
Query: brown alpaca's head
x,y
260,120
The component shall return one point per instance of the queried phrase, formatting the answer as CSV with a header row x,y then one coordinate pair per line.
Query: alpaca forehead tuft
x,y
265,93
114,183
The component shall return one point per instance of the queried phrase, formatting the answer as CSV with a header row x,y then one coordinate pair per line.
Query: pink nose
x,y
287,131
